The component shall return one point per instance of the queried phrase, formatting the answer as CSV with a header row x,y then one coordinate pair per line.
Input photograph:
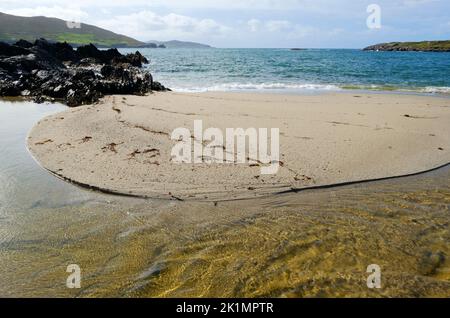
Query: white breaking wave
x,y
438,90
302,87
253,86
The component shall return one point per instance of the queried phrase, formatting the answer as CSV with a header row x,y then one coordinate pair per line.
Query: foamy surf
x,y
228,87
286,87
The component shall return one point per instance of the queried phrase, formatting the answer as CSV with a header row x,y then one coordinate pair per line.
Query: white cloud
x,y
278,25
266,23
286,28
176,4
413,3
254,25
272,26
300,32
70,13
146,25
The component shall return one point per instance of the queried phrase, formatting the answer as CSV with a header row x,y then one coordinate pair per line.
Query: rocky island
x,y
425,46
52,71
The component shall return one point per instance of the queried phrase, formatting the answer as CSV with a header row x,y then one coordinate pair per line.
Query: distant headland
x,y
424,46
14,28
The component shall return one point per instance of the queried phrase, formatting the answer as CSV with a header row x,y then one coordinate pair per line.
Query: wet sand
x,y
123,144
312,244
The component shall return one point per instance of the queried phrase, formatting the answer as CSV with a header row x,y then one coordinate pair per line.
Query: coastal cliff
x,y
425,46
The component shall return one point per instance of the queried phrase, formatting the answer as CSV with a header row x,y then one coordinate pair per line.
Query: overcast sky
x,y
253,23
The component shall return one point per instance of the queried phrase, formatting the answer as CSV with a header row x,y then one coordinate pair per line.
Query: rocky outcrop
x,y
55,71
426,46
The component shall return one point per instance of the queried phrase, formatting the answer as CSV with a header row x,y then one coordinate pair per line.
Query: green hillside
x,y
13,28
425,46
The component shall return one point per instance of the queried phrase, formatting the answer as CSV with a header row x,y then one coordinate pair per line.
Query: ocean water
x,y
199,70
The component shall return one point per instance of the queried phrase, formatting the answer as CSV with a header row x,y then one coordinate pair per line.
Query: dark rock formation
x,y
55,71
135,59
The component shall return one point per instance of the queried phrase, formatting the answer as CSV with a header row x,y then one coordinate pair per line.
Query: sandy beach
x,y
123,144
310,244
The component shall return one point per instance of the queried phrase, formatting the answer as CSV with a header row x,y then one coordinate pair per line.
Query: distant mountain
x,y
14,28
425,46
180,44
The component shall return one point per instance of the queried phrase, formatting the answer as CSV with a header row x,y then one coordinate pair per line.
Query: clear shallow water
x,y
316,243
294,71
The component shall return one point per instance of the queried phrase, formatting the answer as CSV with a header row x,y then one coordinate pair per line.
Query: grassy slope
x,y
420,46
13,28
425,45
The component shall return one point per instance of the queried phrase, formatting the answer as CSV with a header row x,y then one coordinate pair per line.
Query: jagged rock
x,y
65,52
158,87
104,57
11,50
135,59
9,89
24,44
87,62
48,71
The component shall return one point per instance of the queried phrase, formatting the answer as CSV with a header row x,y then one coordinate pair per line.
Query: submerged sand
x,y
123,144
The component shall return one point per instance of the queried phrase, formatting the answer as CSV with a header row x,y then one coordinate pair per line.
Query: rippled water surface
x,y
286,70
310,244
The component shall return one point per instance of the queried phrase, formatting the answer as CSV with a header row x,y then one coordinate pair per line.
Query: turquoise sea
x,y
200,70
